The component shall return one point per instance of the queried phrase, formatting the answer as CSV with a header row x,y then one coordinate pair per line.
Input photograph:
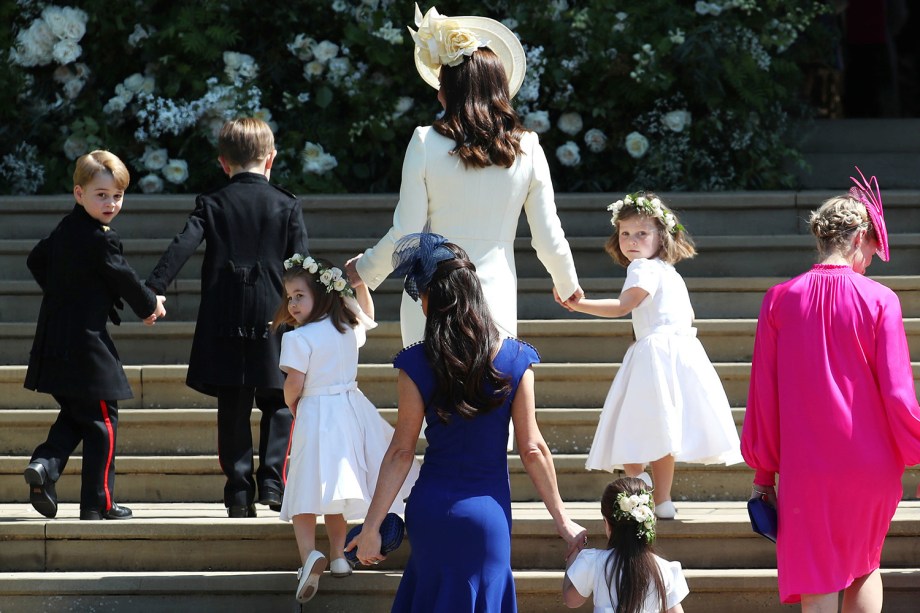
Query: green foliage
x,y
712,87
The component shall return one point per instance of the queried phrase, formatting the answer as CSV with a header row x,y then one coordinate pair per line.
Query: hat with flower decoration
x,y
446,41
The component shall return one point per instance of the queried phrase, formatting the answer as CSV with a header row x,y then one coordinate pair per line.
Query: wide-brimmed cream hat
x,y
444,40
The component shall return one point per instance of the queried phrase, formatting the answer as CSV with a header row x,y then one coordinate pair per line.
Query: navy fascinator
x,y
416,256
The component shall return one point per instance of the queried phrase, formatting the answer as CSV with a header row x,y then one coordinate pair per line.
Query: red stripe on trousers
x,y
108,460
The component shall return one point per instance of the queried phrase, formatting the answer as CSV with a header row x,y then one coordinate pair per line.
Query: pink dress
x,y
832,409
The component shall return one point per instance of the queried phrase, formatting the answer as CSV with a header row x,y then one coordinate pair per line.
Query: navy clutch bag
x,y
763,518
392,530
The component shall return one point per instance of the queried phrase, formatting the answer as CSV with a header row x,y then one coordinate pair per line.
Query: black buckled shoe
x,y
116,512
271,496
239,511
41,489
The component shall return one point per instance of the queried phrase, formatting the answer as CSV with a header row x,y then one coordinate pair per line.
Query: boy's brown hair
x,y
94,162
245,140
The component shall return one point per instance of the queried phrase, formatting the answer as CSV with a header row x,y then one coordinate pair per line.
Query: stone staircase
x,y
181,552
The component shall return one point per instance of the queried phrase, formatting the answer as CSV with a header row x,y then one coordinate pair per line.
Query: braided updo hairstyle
x,y
836,222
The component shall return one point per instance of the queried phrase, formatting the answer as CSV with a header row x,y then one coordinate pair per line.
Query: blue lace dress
x,y
458,516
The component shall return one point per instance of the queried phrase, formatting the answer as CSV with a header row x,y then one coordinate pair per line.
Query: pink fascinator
x,y
868,193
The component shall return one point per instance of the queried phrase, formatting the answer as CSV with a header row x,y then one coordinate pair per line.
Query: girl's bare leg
x,y
305,533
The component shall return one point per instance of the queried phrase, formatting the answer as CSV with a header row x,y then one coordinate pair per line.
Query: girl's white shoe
x,y
308,576
340,567
665,510
644,476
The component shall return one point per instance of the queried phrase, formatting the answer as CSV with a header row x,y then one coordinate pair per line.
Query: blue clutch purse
x,y
392,530
763,518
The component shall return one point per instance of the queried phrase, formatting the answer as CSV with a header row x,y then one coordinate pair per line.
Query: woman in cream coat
x,y
475,206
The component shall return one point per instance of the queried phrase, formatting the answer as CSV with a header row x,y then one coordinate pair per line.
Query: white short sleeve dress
x,y
339,438
667,398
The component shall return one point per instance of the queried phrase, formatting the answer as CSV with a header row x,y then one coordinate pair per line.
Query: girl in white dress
x,y
666,403
626,576
339,438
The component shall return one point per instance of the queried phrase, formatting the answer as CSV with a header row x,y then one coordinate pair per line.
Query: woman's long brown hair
x,y
478,114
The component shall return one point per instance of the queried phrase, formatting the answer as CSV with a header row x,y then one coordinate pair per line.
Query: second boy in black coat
x,y
250,227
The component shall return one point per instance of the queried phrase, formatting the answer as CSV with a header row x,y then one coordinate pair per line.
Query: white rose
x,y
74,24
148,85
538,121
248,69
176,171
154,159
232,60
311,268
313,69
568,154
134,82
595,140
327,162
636,144
35,45
338,285
73,87
339,66
455,43
326,277
570,123
676,120
325,51
66,51
302,47
56,19
151,184
336,272
116,104
74,147
339,6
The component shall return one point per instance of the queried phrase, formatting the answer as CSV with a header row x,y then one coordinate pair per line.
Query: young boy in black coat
x,y
84,276
250,227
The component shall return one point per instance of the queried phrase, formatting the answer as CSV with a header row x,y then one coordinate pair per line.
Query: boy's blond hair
x,y
245,140
94,162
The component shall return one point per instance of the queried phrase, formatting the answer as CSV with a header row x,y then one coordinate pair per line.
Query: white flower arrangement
x,y
315,159
638,508
441,41
175,171
331,278
651,207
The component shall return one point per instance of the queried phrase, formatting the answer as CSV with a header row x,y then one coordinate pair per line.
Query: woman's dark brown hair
x,y
631,570
325,304
461,340
478,115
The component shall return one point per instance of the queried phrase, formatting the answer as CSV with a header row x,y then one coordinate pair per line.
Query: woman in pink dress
x,y
832,409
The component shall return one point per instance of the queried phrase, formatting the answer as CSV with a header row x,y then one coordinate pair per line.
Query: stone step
x,y
179,432
370,215
712,591
198,478
581,340
557,385
712,297
182,537
718,256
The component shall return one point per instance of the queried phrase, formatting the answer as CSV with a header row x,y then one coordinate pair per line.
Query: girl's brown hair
x,y
631,570
674,247
325,304
478,115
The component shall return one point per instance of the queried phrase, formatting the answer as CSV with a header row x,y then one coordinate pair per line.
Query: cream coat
x,y
477,209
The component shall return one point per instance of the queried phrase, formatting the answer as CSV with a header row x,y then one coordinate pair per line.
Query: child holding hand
x,y
626,576
666,402
339,438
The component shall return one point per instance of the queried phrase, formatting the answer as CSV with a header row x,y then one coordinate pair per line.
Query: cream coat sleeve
x,y
409,216
547,236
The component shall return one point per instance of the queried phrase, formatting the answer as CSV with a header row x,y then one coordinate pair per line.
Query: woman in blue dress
x,y
466,383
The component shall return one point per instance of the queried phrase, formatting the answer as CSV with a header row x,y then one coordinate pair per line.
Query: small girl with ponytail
x,y
626,576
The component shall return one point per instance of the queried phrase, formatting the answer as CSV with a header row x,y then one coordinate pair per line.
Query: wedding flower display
x,y
675,96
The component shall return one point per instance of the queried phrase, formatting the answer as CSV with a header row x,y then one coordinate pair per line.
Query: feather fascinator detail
x,y
869,194
416,256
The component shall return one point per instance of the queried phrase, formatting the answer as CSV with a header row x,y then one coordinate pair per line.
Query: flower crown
x,y
441,40
651,207
330,278
637,508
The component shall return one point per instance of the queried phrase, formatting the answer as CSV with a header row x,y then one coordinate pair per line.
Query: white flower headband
x,y
651,207
441,40
330,278
637,508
